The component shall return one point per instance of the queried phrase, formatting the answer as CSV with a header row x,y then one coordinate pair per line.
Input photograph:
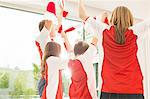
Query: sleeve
x,y
42,39
90,52
63,64
97,27
140,29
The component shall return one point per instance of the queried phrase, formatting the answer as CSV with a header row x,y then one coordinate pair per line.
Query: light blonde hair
x,y
121,19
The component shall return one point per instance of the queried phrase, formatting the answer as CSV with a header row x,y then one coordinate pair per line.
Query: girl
x,y
54,65
42,40
49,28
121,73
83,84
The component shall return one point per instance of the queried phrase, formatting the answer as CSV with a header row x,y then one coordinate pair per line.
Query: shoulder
x,y
53,59
74,63
132,31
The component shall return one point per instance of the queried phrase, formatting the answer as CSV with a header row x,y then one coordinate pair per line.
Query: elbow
x,y
82,16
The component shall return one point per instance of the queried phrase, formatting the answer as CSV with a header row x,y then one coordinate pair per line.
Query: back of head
x,y
80,48
41,25
52,49
121,19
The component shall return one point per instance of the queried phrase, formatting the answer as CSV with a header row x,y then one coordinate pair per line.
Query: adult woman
x,y
121,74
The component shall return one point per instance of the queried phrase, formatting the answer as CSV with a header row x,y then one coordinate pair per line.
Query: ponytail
x,y
120,35
121,19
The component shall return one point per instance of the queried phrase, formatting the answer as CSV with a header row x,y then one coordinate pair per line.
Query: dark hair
x,y
51,49
80,48
41,25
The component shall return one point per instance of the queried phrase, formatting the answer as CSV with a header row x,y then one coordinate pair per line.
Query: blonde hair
x,y
121,19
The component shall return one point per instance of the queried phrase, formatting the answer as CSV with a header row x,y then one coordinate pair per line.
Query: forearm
x,y
67,44
94,41
141,28
60,16
82,11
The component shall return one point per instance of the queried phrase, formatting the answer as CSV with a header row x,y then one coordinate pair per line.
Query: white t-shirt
x,y
44,38
54,65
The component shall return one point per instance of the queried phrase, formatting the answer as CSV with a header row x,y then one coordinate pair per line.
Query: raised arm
x,y
140,29
66,42
94,41
82,12
97,27
59,16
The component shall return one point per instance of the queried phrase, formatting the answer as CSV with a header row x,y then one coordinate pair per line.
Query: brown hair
x,y
41,25
80,48
51,49
122,19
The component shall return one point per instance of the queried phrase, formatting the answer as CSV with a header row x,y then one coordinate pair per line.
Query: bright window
x,y
18,32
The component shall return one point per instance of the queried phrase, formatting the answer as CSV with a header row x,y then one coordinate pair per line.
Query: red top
x,y
121,71
78,88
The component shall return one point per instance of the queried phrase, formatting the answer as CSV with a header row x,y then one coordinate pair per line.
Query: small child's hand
x,y
94,40
63,34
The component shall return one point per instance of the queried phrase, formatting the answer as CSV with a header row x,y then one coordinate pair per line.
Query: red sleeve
x,y
70,29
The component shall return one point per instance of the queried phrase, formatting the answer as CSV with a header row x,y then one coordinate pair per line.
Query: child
x,y
83,84
48,28
54,65
121,47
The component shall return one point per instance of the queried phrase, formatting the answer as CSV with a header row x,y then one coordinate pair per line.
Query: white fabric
x,y
44,38
142,30
54,65
96,27
51,16
85,59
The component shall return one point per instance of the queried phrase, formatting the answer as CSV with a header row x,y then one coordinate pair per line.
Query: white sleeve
x,y
98,27
90,52
42,39
140,29
62,64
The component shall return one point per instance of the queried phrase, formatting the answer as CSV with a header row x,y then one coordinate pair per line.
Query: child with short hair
x,y
83,84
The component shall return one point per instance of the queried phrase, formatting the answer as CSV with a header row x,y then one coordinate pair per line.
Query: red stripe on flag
x,y
65,13
60,29
65,46
70,29
39,49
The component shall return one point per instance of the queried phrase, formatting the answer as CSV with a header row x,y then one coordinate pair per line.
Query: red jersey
x,y
121,71
78,88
